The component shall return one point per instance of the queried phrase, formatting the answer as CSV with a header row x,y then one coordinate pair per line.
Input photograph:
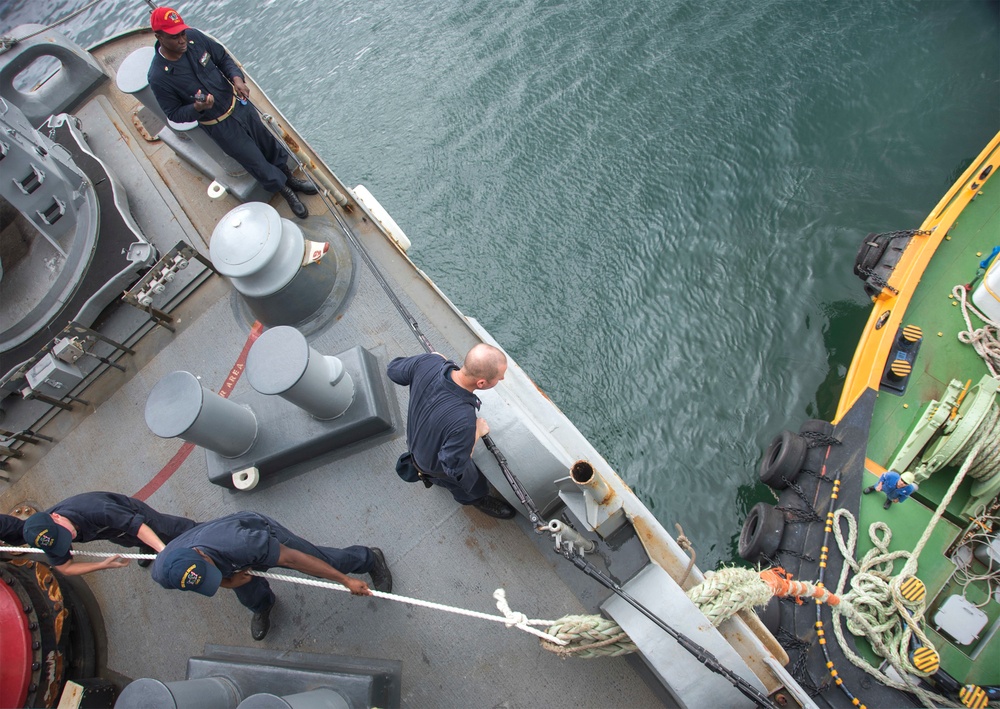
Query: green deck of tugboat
x,y
941,359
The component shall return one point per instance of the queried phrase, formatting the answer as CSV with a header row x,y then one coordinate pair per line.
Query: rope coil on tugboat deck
x,y
566,548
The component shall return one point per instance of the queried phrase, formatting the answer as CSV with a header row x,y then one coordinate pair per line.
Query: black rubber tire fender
x,y
782,460
762,532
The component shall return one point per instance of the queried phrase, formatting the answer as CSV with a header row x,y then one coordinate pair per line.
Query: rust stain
x,y
53,672
121,131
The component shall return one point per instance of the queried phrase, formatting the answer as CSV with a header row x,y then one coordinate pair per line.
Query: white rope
x,y
74,552
510,618
985,340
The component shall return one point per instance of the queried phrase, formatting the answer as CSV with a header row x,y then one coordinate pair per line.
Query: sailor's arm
x,y
300,561
78,568
148,537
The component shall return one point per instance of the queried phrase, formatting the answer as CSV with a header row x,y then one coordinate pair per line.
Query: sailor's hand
x,y
207,101
357,587
482,428
242,90
240,578
114,562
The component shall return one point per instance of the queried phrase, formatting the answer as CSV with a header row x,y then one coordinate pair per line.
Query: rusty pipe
x,y
584,475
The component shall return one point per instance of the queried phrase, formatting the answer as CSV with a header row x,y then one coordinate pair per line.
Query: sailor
x,y
897,488
89,516
195,79
220,553
11,530
442,428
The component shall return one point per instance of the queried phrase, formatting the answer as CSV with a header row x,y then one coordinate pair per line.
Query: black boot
x,y
298,209
494,507
297,185
868,490
260,624
381,576
887,505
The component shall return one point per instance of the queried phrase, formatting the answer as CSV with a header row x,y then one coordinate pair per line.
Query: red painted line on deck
x,y
185,450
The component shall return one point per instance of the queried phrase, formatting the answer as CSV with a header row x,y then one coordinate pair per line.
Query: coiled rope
x,y
985,340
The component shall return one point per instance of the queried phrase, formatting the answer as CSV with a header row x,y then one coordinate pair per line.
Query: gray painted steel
x,y
262,253
180,407
288,436
281,363
322,698
206,693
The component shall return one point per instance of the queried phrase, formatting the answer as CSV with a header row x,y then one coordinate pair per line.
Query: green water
x,y
654,206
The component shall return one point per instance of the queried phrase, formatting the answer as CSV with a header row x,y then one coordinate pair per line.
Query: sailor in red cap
x,y
194,79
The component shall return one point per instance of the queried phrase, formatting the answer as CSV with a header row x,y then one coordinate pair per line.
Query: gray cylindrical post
x,y
322,698
281,363
262,255
206,693
180,407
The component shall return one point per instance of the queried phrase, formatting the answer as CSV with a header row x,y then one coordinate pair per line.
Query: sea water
x,y
654,205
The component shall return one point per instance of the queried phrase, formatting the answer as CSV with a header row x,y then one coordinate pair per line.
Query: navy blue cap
x,y
185,569
42,532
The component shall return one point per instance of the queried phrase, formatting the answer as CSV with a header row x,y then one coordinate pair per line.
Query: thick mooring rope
x,y
588,636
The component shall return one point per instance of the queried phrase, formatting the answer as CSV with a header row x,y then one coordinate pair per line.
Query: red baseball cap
x,y
166,19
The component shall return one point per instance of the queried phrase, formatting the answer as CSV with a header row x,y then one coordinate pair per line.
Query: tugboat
x,y
204,266
890,511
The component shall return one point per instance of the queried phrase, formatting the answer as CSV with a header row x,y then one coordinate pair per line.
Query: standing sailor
x,y
195,79
220,552
897,488
441,425
88,516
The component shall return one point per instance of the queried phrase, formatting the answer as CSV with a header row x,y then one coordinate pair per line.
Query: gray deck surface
x,y
436,549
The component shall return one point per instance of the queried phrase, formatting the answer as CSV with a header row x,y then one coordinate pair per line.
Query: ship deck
x,y
941,358
436,549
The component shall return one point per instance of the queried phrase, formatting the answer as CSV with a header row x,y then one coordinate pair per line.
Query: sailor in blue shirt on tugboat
x,y
897,488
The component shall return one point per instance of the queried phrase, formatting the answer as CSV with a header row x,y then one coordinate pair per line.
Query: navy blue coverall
x,y
249,540
115,518
441,425
206,66
11,530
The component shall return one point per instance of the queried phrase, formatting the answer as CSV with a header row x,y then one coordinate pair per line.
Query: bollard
x,y
262,254
180,407
321,698
206,693
282,363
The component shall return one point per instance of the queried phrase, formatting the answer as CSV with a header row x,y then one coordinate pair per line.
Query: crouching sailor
x,y
106,516
220,553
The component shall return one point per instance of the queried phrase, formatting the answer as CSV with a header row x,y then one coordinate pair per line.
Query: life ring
x,y
782,460
762,532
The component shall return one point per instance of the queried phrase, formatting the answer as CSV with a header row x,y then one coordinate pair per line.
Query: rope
x,y
985,340
8,42
510,618
875,591
686,545
588,636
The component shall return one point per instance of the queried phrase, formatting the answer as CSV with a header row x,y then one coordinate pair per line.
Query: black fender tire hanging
x,y
762,532
782,460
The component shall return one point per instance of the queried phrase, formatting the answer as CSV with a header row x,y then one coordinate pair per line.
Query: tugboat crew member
x,y
190,76
897,488
442,428
220,552
11,530
109,516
